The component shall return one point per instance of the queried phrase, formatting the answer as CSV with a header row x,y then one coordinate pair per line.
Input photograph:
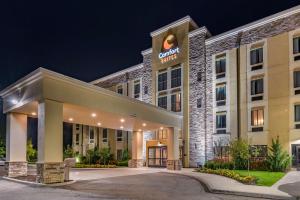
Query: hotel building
x,y
199,91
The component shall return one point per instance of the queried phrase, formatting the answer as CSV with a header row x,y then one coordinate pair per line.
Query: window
x,y
297,82
296,45
221,123
91,135
220,67
297,116
120,89
257,89
199,76
77,139
221,95
119,135
119,154
176,78
137,89
77,127
176,102
257,119
162,134
104,135
162,102
146,89
162,81
256,58
199,103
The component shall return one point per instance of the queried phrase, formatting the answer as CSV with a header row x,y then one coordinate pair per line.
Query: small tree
x,y
68,152
31,153
239,152
277,159
104,155
125,155
2,148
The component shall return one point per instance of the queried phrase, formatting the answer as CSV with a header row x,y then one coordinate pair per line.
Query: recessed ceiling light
x,y
14,101
161,128
144,124
140,130
94,114
122,120
33,113
71,119
121,127
99,124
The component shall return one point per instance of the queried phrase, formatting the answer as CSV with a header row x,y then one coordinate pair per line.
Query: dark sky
x,y
90,39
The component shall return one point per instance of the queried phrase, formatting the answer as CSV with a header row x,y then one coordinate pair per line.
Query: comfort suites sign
x,y
170,47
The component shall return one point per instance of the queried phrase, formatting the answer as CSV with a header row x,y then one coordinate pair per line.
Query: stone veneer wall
x,y
199,138
48,173
15,169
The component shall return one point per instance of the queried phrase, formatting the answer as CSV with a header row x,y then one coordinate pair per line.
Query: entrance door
x,y
297,156
157,156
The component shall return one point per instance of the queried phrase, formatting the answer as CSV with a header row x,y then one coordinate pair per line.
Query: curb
x,y
38,184
208,188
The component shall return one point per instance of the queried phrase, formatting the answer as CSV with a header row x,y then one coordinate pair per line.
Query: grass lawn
x,y
265,178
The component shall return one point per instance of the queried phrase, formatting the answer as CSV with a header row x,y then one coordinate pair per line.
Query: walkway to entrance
x,y
54,98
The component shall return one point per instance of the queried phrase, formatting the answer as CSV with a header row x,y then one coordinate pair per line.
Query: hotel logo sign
x,y
169,49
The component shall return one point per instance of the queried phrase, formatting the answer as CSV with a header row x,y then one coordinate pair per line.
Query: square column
x,y
50,167
16,139
137,150
173,162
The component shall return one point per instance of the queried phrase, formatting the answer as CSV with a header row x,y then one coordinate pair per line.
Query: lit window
x,y
91,135
137,89
257,89
162,134
120,89
162,102
221,123
162,80
220,67
221,95
176,77
104,135
257,119
176,102
119,135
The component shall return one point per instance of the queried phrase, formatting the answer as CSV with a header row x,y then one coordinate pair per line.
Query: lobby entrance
x,y
157,156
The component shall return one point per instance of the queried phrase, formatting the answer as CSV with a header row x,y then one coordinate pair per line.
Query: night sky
x,y
90,39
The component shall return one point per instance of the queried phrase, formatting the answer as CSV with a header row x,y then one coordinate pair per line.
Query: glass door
x,y
157,156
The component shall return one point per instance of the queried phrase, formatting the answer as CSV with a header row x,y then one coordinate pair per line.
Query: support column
x,y
137,150
16,138
50,167
173,162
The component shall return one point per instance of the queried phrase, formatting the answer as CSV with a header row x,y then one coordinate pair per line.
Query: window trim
x,y
119,138
219,86
175,93
139,80
105,139
161,96
253,48
117,89
157,82
257,94
222,56
263,115
224,128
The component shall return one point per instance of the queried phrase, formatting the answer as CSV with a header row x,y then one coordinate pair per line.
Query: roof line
x,y
173,24
129,69
254,24
197,31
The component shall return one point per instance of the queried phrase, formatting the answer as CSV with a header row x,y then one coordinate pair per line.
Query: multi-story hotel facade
x,y
192,94
240,84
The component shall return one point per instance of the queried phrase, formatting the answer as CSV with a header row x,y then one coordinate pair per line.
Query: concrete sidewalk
x,y
223,185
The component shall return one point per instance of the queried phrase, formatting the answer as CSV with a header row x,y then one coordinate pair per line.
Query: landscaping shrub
x,y
31,153
123,163
68,152
239,152
278,160
218,164
230,174
2,147
260,165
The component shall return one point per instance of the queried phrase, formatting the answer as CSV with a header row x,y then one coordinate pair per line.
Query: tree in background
x,y
2,147
105,155
31,153
68,152
277,159
240,154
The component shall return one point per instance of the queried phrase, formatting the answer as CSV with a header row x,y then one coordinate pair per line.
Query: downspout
x,y
238,79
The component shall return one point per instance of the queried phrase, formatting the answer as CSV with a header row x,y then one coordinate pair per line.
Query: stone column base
x,y
15,169
48,173
174,165
136,163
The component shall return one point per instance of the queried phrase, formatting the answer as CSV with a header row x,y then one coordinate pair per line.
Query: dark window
x,y
199,76
176,102
221,95
120,89
297,113
256,56
176,78
92,135
77,139
162,102
257,86
221,123
146,90
296,79
77,127
220,67
162,81
104,135
199,103
119,135
296,45
137,89
257,117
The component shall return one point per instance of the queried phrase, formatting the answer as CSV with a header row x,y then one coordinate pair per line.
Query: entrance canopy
x,y
84,103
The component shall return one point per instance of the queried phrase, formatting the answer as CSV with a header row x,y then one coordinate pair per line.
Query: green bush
x,y
68,152
123,163
31,153
239,152
230,174
278,160
2,147
216,164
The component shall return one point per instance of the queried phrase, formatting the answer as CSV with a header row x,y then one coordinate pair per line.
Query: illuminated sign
x,y
169,50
